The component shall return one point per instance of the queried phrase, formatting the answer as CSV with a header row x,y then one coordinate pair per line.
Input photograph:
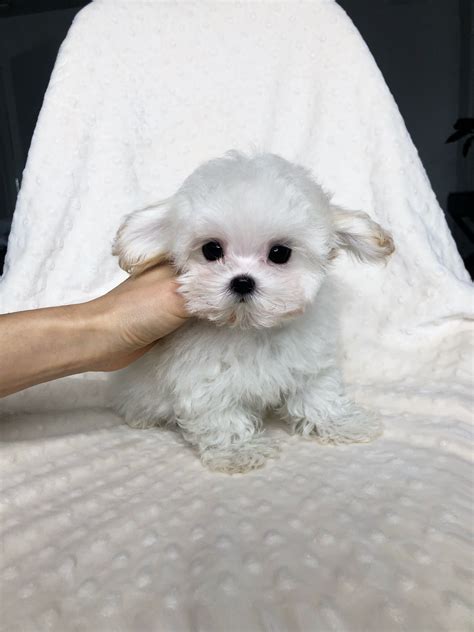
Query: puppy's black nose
x,y
242,285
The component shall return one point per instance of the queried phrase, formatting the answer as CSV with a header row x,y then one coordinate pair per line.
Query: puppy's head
x,y
251,237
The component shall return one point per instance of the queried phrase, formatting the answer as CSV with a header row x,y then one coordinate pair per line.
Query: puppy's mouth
x,y
241,306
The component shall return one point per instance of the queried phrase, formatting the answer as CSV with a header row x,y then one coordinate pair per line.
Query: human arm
x,y
104,334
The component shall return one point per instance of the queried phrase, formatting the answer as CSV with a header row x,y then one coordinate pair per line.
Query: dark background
x,y
423,47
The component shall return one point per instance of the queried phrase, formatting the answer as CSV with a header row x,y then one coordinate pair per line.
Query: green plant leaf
x,y
467,145
466,124
457,136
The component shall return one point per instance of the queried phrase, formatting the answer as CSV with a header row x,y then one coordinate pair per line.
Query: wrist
x,y
84,330
106,347
95,332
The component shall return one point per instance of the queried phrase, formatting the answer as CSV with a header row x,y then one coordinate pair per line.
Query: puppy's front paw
x,y
351,425
142,423
240,457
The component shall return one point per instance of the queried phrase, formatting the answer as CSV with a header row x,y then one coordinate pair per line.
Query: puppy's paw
x,y
142,423
352,425
240,457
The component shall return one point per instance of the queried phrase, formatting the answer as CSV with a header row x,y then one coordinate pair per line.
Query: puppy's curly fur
x,y
270,346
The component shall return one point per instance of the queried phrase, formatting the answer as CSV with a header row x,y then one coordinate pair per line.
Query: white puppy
x,y
252,239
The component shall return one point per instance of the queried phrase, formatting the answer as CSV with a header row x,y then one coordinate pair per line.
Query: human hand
x,y
134,315
104,334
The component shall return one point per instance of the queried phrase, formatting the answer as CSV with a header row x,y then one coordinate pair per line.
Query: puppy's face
x,y
251,256
252,239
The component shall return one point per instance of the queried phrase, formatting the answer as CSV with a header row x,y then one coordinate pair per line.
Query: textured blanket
x,y
109,528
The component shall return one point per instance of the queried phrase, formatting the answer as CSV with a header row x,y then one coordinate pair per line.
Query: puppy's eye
x,y
212,250
279,254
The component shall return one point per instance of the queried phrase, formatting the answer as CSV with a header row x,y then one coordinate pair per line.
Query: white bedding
x,y
109,528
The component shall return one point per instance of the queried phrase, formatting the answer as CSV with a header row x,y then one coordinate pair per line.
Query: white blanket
x,y
109,528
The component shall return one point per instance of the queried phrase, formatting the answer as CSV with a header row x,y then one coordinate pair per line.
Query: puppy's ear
x,y
143,239
359,235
